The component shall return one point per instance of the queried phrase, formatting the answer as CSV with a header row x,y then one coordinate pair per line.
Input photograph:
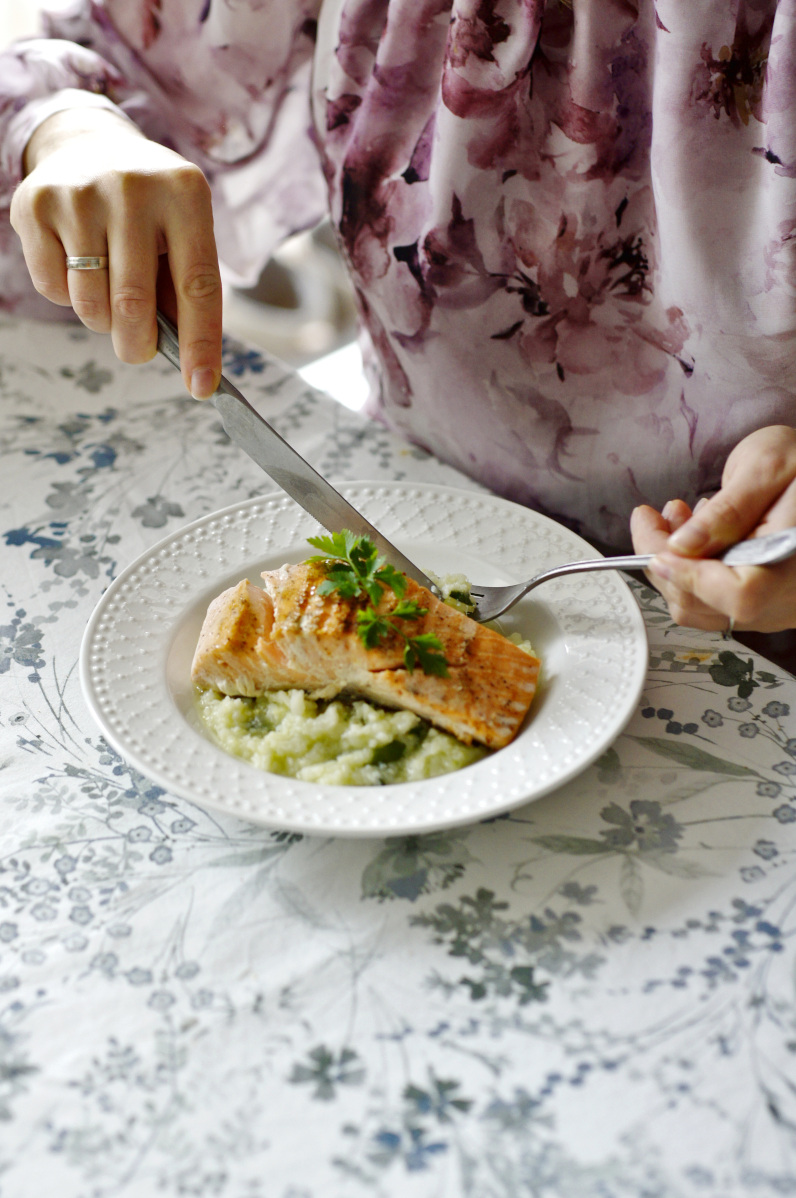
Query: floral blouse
x,y
570,223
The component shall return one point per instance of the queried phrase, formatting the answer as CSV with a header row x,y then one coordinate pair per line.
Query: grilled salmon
x,y
285,635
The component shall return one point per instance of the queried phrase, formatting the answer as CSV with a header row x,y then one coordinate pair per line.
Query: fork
x,y
491,602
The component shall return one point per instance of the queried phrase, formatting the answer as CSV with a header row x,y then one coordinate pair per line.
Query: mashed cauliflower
x,y
333,742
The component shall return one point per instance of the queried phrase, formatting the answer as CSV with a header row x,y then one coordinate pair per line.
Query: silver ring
x,y
83,262
729,630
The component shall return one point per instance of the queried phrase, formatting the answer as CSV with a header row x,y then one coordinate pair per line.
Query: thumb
x,y
758,471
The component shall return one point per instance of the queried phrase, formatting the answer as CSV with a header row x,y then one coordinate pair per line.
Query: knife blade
x,y
281,462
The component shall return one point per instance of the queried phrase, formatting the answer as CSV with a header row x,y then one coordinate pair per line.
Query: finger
x,y
45,259
651,529
193,264
133,275
781,514
758,471
50,231
676,512
756,597
88,289
686,607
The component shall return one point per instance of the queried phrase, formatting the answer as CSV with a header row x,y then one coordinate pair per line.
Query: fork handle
x,y
757,551
630,561
766,550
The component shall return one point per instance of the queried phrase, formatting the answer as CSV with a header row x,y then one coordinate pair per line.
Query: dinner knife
x,y
281,462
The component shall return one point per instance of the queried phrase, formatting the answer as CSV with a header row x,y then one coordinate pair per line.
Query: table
x,y
592,996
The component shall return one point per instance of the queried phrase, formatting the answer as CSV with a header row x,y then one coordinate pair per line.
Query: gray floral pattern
x,y
592,995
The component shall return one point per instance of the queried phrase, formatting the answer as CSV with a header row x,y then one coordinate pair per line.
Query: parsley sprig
x,y
356,570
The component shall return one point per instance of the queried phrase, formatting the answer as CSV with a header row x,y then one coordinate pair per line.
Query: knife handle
x,y
168,342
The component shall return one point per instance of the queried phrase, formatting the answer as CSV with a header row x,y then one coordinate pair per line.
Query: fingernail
x,y
700,503
690,538
203,383
667,510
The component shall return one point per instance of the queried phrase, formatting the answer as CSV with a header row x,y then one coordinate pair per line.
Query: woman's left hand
x,y
757,496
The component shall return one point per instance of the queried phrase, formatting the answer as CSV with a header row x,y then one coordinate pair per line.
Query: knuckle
x,y
19,211
182,184
83,193
138,354
725,512
189,180
200,351
29,213
94,316
90,311
133,188
50,203
69,207
750,600
776,460
677,602
133,350
743,614
678,612
131,304
32,206
52,289
201,282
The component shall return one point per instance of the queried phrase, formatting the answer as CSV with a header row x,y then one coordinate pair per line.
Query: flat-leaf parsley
x,y
355,569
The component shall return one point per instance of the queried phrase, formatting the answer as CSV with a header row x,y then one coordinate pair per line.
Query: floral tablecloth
x,y
592,996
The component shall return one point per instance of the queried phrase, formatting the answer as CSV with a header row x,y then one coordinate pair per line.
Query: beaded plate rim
x,y
593,642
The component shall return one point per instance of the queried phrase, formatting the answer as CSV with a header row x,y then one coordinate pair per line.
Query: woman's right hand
x,y
96,186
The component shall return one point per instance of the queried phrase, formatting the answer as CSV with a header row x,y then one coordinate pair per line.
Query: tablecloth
x,y
590,996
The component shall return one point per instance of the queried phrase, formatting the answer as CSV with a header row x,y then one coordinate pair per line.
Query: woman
x,y
569,224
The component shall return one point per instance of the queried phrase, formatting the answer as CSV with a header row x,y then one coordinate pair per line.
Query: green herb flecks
x,y
355,569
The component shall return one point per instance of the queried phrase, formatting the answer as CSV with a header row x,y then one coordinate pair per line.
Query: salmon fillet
x,y
286,635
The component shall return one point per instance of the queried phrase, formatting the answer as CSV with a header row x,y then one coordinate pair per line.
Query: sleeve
x,y
228,87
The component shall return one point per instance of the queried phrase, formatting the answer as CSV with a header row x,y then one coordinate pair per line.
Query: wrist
x,y
71,123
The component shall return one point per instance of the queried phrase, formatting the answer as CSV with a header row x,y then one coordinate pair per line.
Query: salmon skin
x,y
285,635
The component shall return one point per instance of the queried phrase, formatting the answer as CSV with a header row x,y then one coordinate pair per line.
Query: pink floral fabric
x,y
570,225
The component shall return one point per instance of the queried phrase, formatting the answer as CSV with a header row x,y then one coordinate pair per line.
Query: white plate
x,y
136,656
